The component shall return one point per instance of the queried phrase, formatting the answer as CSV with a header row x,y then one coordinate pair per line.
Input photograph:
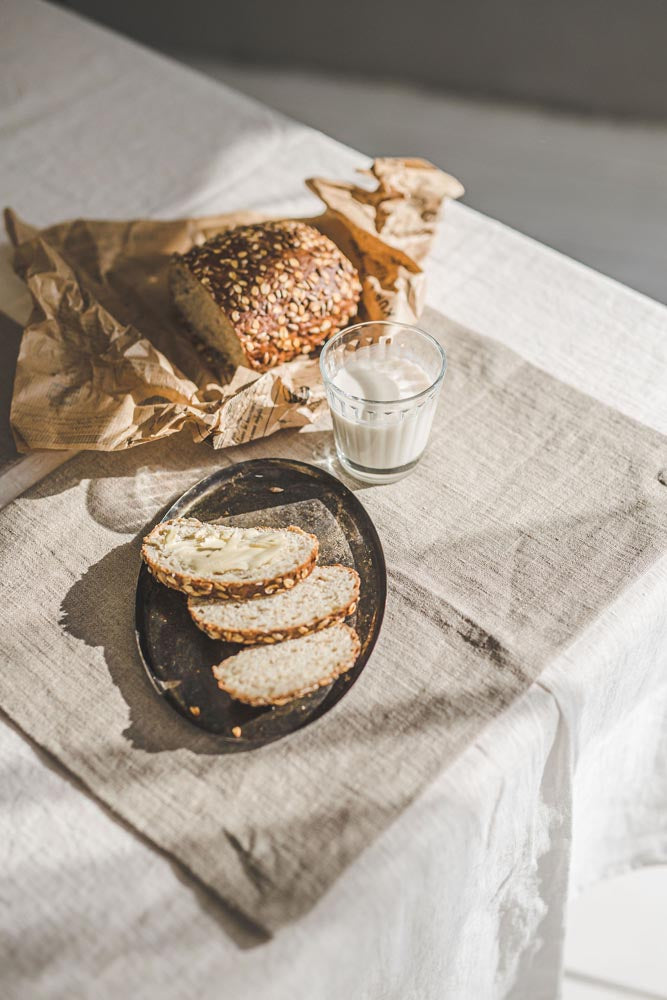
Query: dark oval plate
x,y
178,656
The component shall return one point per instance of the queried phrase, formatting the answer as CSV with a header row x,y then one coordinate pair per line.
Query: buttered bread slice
x,y
274,675
221,561
327,596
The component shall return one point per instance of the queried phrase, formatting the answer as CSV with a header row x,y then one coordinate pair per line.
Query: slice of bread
x,y
274,675
220,561
328,595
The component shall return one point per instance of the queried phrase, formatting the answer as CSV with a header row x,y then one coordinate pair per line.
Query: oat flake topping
x,y
284,286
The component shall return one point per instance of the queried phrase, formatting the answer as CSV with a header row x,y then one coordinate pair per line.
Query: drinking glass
x,y
380,440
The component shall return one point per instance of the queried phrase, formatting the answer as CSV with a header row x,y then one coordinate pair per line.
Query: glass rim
x,y
328,383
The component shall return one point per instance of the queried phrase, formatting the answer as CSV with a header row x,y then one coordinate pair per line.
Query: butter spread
x,y
206,553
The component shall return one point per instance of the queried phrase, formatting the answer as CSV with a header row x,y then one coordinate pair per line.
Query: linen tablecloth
x,y
463,896
533,507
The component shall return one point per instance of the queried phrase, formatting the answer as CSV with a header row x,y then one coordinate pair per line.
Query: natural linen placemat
x,y
533,508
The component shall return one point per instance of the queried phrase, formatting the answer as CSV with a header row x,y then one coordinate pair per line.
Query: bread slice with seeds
x,y
217,560
329,594
274,675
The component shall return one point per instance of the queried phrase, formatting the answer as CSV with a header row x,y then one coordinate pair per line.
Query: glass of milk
x,y
382,381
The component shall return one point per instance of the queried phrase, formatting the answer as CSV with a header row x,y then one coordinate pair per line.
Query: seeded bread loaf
x,y
264,294
328,595
274,675
216,560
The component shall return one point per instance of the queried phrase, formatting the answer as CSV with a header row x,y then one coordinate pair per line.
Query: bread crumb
x,y
236,731
195,710
276,489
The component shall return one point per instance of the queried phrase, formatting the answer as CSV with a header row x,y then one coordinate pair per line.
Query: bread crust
x,y
198,586
282,287
298,692
259,637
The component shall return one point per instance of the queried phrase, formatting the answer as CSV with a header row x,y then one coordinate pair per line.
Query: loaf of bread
x,y
214,559
274,675
328,595
264,294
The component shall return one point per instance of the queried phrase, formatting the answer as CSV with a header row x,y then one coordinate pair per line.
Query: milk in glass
x,y
372,429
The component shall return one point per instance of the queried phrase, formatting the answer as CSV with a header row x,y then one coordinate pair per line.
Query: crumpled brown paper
x,y
105,363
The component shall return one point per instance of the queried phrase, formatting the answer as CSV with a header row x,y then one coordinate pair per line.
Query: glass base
x,y
377,476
